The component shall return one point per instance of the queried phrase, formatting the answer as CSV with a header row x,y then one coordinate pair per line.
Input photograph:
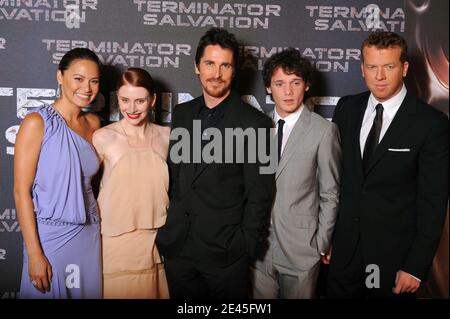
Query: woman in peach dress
x,y
133,196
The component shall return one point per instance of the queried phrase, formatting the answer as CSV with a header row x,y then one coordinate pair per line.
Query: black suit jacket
x,y
224,207
398,208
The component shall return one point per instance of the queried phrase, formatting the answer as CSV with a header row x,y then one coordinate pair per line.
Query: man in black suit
x,y
219,211
394,187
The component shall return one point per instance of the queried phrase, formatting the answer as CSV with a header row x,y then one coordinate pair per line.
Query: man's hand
x,y
404,282
325,259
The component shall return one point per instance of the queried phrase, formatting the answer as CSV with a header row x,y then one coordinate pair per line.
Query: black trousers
x,y
188,278
350,281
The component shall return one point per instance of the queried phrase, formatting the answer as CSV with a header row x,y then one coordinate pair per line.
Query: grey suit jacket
x,y
307,190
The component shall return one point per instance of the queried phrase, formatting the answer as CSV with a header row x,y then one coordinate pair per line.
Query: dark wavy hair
x,y
290,61
383,40
77,54
221,37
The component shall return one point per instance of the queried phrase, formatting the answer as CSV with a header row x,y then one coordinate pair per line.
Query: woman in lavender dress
x,y
53,165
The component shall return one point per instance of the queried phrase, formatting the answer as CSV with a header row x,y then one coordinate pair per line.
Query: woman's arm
x,y
26,155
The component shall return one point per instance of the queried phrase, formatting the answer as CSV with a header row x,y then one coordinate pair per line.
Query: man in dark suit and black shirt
x,y
394,185
219,212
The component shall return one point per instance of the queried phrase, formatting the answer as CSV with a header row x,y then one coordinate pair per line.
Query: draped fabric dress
x,y
66,212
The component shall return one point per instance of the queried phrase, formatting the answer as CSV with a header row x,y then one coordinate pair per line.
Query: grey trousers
x,y
275,277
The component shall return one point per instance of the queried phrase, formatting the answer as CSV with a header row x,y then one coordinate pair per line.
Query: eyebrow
x,y
293,80
76,74
390,63
212,61
138,98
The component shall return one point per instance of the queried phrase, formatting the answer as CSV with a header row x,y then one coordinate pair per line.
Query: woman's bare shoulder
x,y
105,134
93,120
163,130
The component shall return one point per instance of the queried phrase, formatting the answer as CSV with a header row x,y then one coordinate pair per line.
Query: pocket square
x,y
399,150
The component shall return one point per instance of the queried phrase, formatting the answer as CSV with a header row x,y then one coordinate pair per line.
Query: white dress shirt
x,y
289,124
390,108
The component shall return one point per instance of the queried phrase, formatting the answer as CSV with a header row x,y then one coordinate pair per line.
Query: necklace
x,y
145,135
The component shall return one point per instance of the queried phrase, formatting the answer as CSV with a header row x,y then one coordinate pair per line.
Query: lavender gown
x,y
66,213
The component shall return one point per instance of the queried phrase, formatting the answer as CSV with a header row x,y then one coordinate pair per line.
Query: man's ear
x,y
197,71
268,90
405,68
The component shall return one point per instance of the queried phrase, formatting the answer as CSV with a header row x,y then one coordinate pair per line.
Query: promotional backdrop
x,y
161,37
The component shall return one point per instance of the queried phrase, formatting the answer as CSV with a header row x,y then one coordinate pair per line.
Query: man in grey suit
x,y
307,184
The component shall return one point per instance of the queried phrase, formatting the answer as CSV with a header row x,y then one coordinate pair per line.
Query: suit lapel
x,y
193,115
295,139
358,119
397,128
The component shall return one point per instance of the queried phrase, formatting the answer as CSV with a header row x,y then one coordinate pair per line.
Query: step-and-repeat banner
x,y
161,37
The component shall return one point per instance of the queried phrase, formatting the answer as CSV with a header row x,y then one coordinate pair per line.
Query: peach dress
x,y
133,205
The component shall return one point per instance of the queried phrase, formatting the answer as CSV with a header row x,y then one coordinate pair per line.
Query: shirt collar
x,y
388,105
291,119
219,109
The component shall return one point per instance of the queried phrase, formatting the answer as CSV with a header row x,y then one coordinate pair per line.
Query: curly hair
x,y
292,62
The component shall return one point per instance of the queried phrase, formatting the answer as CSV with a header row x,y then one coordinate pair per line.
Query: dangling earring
x,y
152,114
58,91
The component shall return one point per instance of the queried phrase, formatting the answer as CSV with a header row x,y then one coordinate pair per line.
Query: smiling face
x,y
288,91
383,71
79,83
134,103
216,71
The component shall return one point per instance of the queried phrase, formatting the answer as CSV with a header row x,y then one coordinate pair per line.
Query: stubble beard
x,y
218,92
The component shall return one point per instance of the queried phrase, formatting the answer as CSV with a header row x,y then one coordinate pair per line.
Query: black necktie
x,y
373,137
280,137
